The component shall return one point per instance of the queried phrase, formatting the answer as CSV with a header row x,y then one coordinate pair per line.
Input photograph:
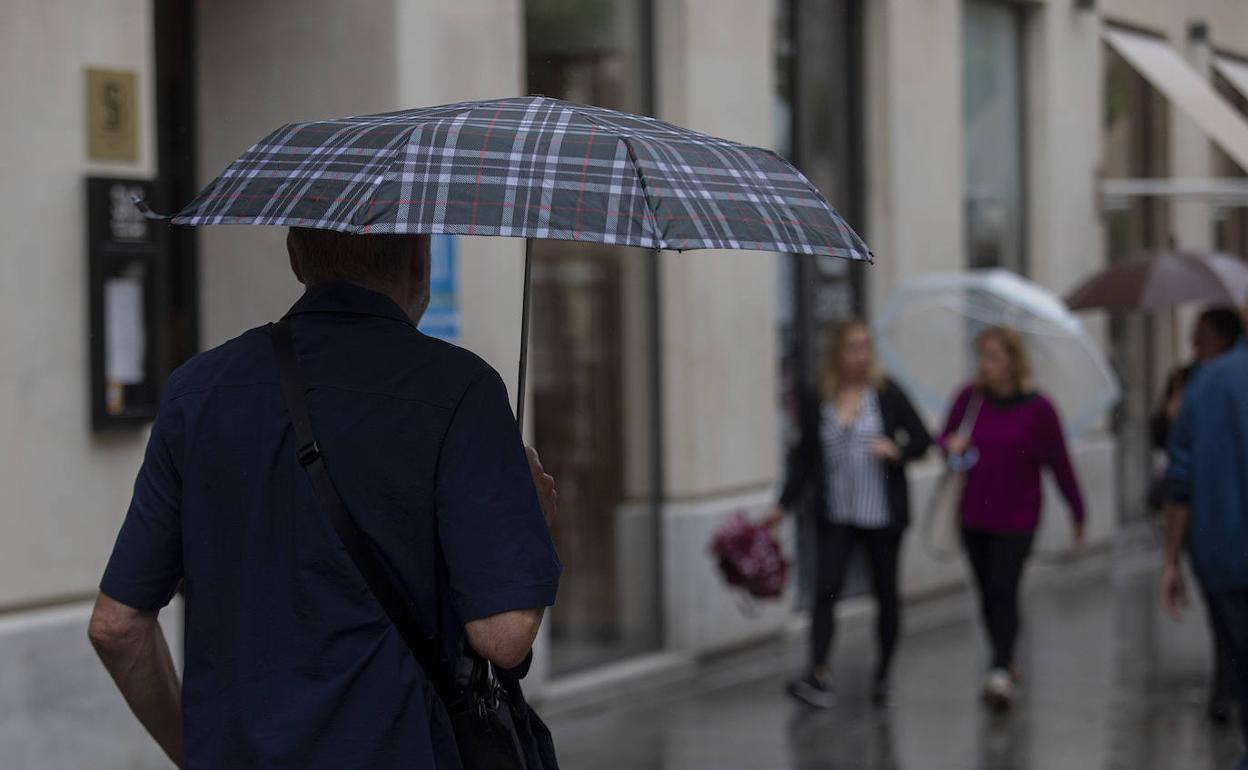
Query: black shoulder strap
x,y
388,595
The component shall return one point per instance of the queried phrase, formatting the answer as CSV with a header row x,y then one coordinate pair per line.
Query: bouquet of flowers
x,y
750,558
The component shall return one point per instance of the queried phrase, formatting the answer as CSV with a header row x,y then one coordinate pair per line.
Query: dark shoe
x,y
881,695
813,692
1220,711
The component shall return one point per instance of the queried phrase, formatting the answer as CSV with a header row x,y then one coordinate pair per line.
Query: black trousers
x,y
1231,606
834,546
1222,684
997,560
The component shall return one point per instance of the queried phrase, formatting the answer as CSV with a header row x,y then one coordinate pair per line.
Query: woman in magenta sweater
x,y
1006,434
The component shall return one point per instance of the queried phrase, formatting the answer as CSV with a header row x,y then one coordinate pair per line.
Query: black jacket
x,y
902,424
1159,424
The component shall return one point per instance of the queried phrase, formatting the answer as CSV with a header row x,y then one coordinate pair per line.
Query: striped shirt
x,y
857,494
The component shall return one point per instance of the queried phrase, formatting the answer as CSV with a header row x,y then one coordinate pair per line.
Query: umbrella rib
x,y
651,209
659,240
850,235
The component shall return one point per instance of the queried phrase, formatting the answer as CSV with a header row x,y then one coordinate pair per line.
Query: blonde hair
x,y
830,374
1015,350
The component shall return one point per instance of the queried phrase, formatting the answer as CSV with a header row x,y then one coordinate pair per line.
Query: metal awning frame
x,y
1225,192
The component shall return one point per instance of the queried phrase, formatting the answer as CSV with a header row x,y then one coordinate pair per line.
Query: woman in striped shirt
x,y
853,454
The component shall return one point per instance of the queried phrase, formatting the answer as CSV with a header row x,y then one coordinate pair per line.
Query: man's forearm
x,y
506,638
140,664
1177,517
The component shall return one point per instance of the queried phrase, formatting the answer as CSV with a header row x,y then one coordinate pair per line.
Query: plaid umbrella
x,y
527,167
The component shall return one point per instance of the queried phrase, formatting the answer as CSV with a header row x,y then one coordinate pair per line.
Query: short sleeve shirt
x,y
290,662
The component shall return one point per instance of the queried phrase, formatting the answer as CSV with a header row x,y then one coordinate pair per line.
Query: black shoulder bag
x,y
494,727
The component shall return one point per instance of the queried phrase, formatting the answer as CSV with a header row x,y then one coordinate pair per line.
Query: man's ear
x,y
419,264
294,261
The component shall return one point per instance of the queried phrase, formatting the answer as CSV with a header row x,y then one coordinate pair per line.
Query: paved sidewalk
x,y
1108,683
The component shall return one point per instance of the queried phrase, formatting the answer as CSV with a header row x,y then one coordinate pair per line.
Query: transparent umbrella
x,y
925,337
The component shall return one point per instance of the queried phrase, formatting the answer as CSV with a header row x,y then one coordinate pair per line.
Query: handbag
x,y
940,519
493,725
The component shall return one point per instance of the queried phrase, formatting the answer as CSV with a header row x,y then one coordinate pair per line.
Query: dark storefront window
x,y
592,356
818,109
818,122
992,110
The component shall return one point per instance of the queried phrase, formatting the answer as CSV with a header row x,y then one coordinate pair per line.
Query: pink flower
x,y
750,558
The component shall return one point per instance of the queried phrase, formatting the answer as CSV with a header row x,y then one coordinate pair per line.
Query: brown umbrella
x,y
1153,282
1165,280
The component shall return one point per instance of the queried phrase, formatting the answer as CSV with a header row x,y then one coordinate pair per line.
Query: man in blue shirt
x,y
1208,484
289,660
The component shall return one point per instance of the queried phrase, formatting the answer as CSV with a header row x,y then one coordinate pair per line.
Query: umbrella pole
x,y
524,333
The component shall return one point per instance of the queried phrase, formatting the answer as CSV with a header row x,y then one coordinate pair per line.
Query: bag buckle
x,y
308,454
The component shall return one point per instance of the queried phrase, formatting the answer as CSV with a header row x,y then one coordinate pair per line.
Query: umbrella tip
x,y
141,205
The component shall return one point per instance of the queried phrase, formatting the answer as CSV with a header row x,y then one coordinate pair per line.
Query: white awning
x,y
1185,88
1235,71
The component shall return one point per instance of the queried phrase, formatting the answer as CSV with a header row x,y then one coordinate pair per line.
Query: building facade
x,y
952,133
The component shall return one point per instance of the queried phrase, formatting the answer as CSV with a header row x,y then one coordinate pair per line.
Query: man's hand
x,y
547,495
1173,590
1173,586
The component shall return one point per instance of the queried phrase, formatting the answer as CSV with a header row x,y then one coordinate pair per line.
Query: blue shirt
x,y
1209,468
290,662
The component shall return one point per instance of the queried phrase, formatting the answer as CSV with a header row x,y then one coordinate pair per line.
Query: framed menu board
x,y
123,253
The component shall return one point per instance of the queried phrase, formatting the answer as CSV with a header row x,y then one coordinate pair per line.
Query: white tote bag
x,y
943,514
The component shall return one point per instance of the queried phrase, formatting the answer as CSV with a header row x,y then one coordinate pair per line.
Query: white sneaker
x,y
999,690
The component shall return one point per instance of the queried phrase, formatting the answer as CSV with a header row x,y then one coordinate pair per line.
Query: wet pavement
x,y
1107,683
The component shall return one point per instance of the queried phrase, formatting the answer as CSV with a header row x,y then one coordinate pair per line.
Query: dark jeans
x,y
1222,684
997,561
1231,607
834,546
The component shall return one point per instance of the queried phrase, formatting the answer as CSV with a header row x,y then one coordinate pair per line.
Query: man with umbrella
x,y
415,461
1208,465
288,664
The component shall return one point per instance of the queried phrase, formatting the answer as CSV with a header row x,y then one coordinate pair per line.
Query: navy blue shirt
x,y
290,662
1208,468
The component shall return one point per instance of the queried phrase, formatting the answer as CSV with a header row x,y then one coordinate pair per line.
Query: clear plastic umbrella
x,y
926,333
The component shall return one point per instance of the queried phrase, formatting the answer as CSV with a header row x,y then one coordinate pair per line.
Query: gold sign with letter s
x,y
112,115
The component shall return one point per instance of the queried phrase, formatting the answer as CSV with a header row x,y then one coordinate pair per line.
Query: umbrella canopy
x,y
527,167
1160,281
926,333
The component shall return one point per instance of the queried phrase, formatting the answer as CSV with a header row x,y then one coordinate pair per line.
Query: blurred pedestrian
x,y
1004,434
1208,466
853,453
1217,330
290,659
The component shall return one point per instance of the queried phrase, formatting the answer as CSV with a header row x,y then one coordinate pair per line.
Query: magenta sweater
x,y
1016,440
